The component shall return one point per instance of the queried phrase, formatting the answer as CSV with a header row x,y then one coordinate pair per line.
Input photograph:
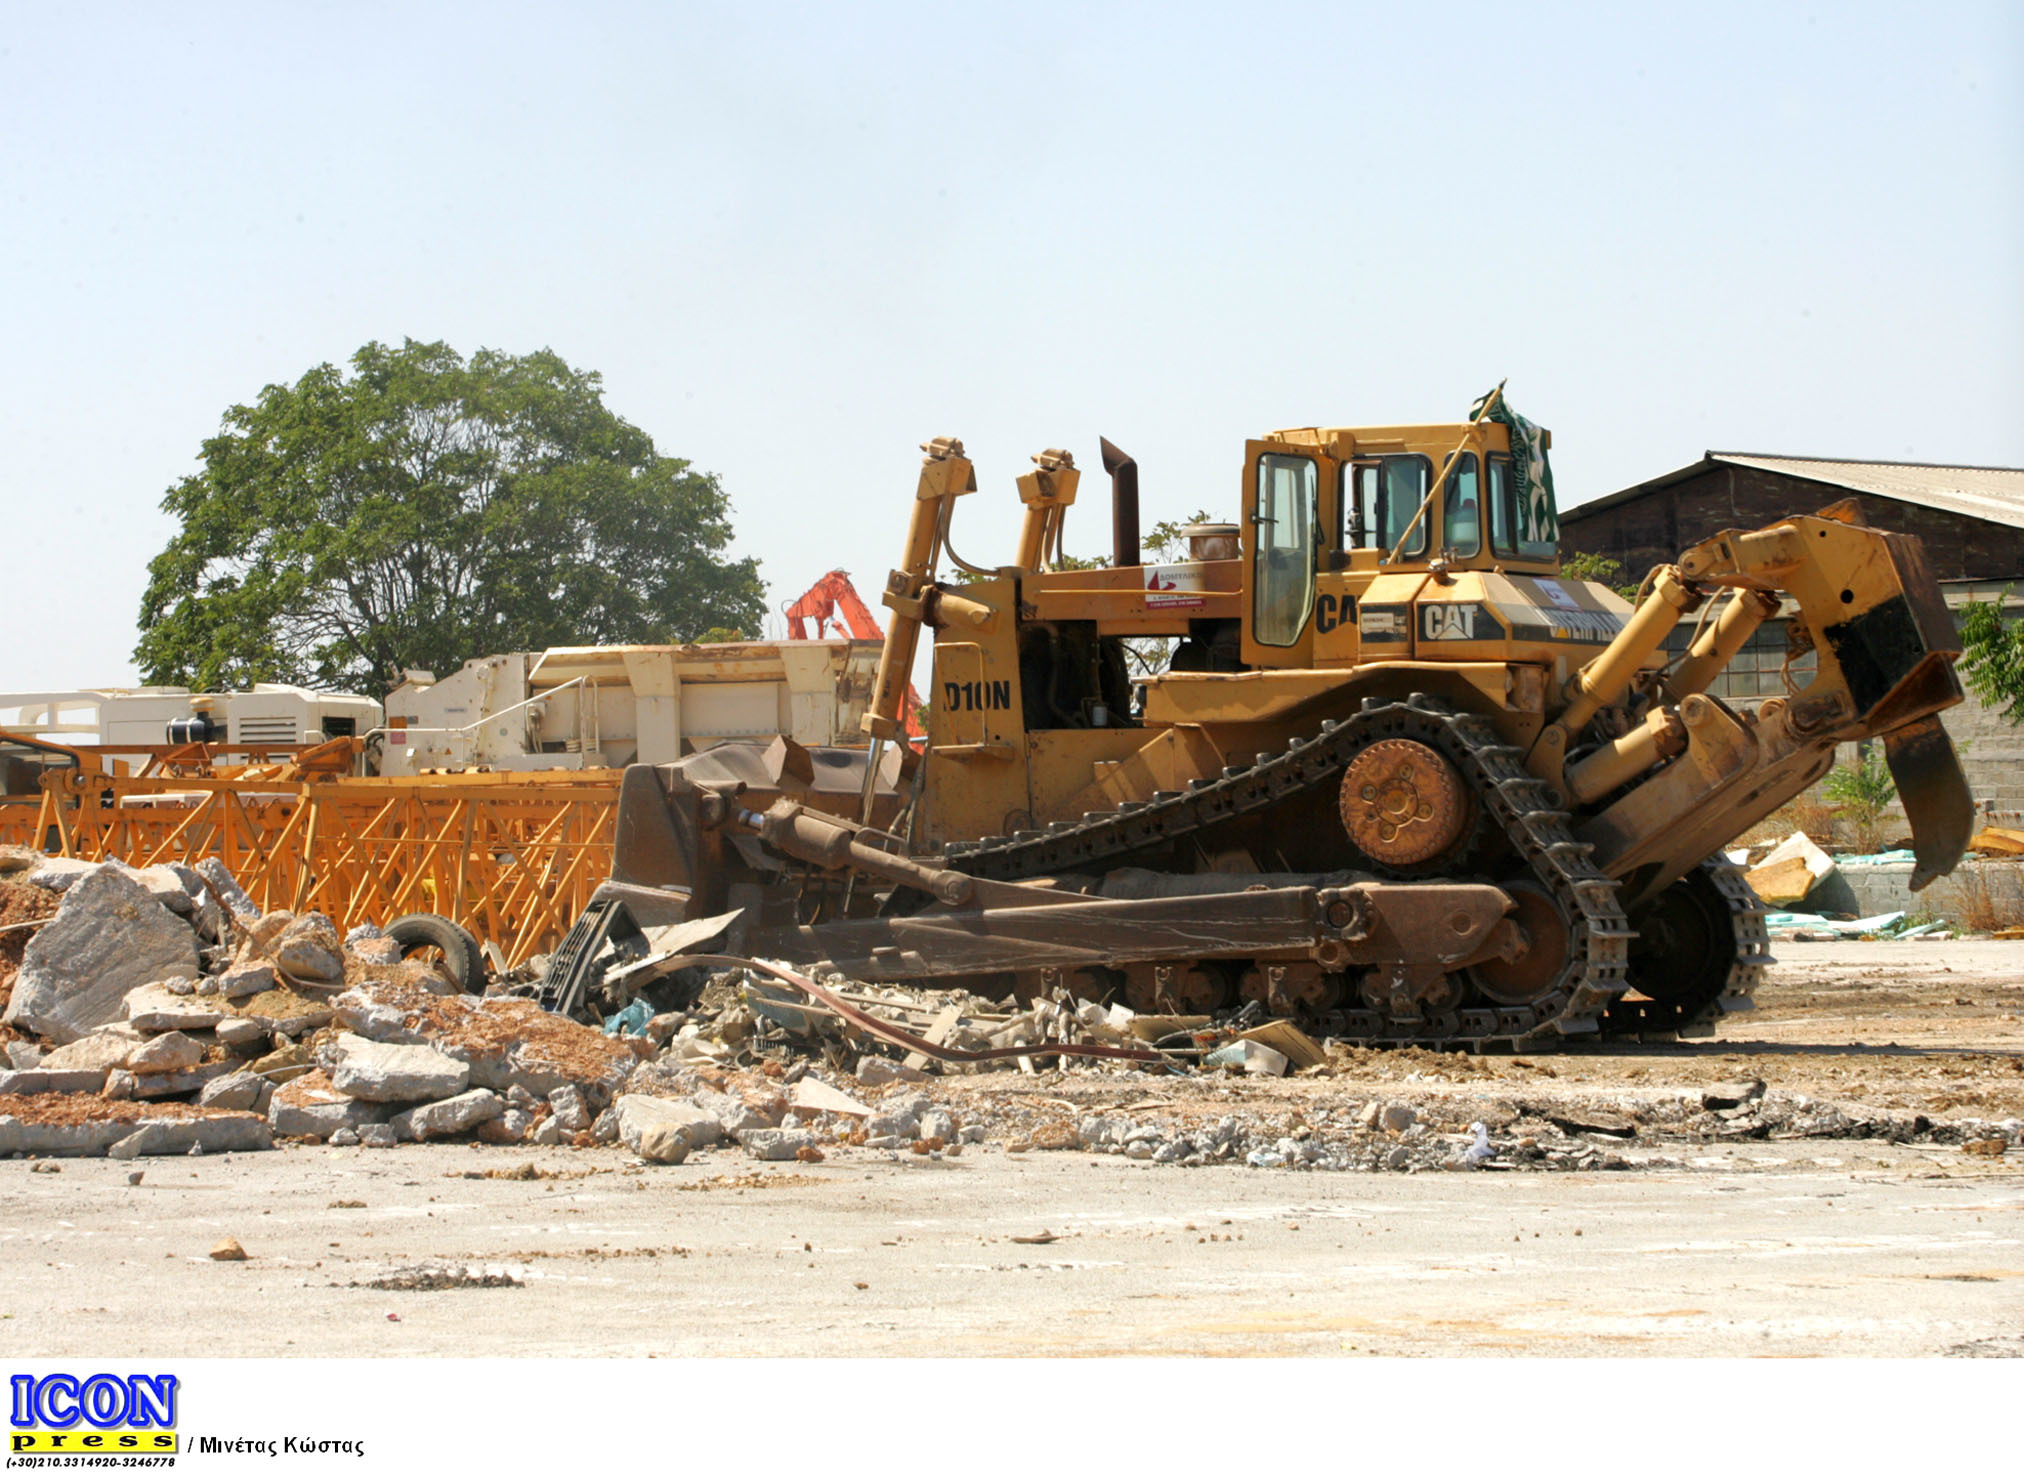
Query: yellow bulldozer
x,y
1397,779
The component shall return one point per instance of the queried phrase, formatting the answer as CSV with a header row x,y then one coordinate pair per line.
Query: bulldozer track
x,y
1517,804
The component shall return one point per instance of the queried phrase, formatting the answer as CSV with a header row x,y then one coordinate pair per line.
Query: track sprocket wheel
x,y
1406,807
1403,803
1699,952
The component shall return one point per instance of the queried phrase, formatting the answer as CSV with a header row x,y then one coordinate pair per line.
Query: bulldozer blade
x,y
1934,792
1376,923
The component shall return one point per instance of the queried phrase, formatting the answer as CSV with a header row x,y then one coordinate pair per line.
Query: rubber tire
x,y
462,958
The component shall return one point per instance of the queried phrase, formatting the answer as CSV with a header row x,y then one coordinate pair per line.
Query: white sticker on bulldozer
x,y
1174,586
1552,589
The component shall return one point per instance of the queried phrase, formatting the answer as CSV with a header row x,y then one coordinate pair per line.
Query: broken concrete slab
x,y
810,1096
155,1009
309,1106
103,1050
59,1138
59,872
309,950
46,1081
566,1101
160,882
773,1144
286,1012
367,1070
508,1127
245,979
637,1114
359,1012
290,1062
448,1117
873,1070
108,938
259,935
662,1144
222,1133
505,1041
1729,1094
896,1118
242,1090
243,1033
559,1053
165,1054
71,1125
241,905
180,1082
733,1114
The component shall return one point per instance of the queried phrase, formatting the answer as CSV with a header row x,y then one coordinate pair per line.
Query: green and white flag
x,y
1538,514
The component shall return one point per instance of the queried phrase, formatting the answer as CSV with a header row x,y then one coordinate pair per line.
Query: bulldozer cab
x,y
1331,510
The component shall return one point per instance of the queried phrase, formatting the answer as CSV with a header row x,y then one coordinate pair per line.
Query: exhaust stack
x,y
1124,506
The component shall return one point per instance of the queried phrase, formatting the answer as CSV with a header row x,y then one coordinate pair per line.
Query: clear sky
x,y
798,241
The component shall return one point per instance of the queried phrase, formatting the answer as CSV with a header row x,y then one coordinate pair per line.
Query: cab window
x,y
1507,517
1462,535
1282,563
1380,500
1503,511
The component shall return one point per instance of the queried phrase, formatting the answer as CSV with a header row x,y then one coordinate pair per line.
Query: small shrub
x,y
1979,908
1863,791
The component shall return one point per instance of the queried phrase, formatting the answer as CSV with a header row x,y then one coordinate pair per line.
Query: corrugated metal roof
x,y
1990,493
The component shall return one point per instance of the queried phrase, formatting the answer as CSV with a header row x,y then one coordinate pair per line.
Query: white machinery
x,y
132,720
607,706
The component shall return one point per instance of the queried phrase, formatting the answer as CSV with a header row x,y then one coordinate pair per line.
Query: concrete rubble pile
x,y
158,1011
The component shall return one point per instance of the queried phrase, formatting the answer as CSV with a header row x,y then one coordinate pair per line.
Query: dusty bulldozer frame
x,y
1401,780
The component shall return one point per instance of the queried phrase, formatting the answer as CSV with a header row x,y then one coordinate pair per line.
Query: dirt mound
x,y
77,1109
19,903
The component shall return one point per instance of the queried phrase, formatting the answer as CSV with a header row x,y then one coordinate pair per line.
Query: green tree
x,y
420,510
1594,568
1992,657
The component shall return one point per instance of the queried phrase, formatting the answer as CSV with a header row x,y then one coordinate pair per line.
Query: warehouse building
x,y
1971,519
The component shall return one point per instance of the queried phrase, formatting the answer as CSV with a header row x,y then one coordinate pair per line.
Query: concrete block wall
x,y
1992,756
1965,898
1992,760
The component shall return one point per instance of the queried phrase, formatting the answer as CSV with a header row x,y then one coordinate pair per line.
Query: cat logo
x,y
1448,621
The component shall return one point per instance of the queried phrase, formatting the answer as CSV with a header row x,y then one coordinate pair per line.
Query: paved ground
x,y
1844,1247
1859,1251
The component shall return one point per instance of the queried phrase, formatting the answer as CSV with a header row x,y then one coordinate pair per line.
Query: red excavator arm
x,y
831,595
833,599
